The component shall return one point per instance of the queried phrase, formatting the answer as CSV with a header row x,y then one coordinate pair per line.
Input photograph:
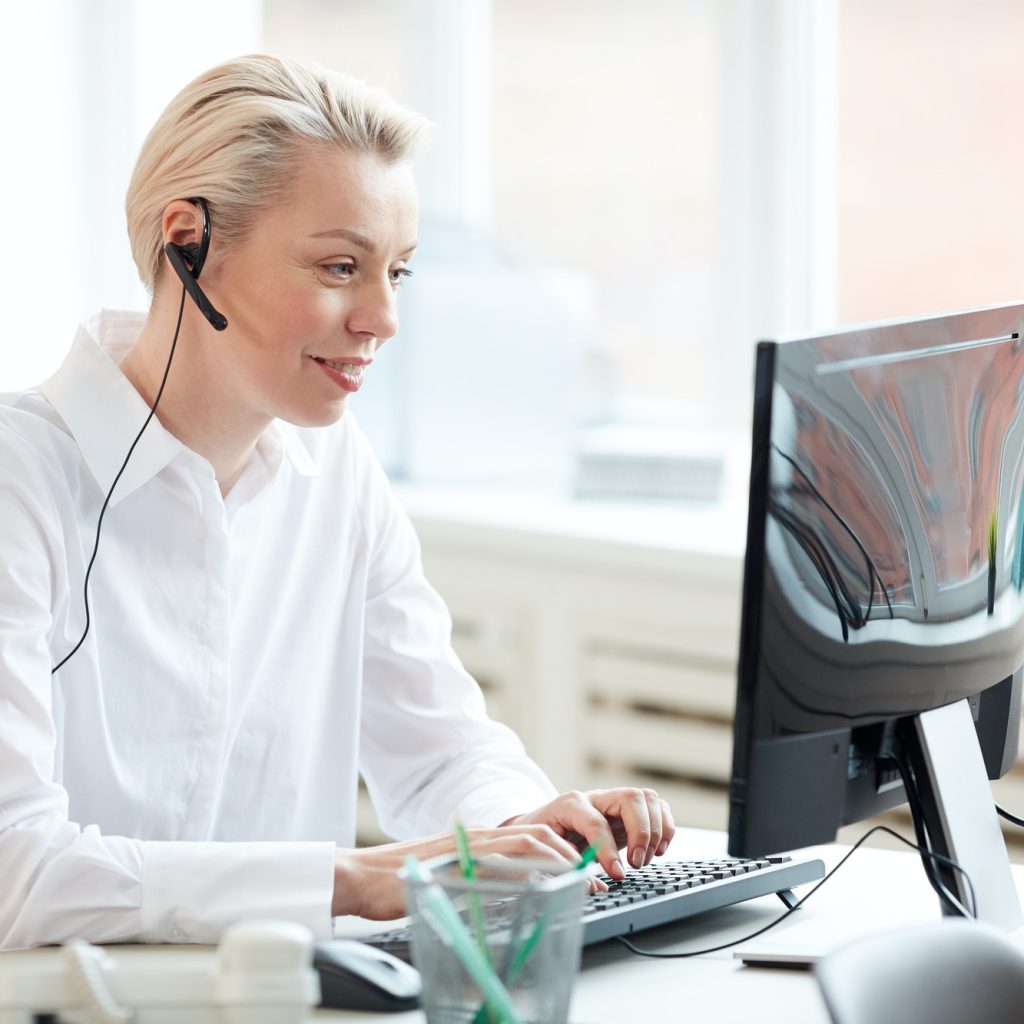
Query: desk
x,y
875,889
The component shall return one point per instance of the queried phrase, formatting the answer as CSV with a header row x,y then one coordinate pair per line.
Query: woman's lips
x,y
348,376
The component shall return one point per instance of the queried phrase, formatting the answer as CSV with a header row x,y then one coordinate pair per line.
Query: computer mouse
x,y
355,976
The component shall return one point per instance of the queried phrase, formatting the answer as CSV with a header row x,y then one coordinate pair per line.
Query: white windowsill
x,y
543,525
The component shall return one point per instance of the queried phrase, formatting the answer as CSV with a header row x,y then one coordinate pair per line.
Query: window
x,y
576,162
931,197
665,181
605,146
85,82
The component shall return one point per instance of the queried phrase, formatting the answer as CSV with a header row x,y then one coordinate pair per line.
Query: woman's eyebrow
x,y
361,240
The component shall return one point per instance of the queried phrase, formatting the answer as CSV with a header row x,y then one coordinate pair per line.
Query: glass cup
x,y
525,917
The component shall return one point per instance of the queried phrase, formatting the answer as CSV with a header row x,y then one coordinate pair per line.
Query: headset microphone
x,y
181,256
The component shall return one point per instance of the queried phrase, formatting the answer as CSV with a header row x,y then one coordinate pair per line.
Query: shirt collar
x,y
298,454
103,411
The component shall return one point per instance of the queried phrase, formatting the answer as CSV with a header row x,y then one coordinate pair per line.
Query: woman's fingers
x,y
657,825
367,882
574,814
668,829
533,840
630,806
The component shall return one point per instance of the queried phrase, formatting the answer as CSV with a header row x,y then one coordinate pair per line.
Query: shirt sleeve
x,y
428,750
63,880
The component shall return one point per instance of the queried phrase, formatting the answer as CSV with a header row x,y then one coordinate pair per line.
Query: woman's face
x,y
310,294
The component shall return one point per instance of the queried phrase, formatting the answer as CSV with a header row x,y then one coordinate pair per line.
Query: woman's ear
x,y
183,223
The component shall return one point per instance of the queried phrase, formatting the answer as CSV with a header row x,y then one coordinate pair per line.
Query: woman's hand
x,y
613,818
366,881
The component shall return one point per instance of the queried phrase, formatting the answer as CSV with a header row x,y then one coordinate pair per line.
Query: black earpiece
x,y
188,261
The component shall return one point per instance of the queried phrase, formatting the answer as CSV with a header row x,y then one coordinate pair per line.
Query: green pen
x,y
438,911
476,913
538,929
524,951
468,870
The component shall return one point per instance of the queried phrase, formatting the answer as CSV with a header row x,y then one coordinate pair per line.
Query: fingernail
x,y
617,869
638,858
662,848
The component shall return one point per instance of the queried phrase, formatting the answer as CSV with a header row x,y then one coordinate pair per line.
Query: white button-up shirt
x,y
196,761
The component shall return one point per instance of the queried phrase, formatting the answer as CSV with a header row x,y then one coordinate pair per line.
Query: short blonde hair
x,y
234,134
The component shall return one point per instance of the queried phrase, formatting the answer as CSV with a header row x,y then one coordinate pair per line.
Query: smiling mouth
x,y
351,369
347,376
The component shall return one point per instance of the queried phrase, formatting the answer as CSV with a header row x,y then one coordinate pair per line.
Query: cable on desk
x,y
803,899
1009,816
87,980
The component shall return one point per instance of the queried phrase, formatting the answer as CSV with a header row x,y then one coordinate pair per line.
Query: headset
x,y
187,261
181,256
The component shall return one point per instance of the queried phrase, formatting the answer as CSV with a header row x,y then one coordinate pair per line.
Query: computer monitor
x,y
882,638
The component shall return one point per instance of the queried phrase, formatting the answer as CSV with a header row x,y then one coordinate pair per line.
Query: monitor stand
x,y
958,812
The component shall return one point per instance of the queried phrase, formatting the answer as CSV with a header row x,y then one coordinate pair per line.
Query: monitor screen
x,y
884,567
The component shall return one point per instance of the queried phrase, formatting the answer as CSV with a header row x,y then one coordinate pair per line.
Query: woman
x,y
259,629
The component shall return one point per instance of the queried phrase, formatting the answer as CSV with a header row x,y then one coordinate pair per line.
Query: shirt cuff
x,y
191,892
491,806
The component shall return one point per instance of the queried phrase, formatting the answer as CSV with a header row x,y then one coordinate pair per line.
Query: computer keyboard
x,y
666,891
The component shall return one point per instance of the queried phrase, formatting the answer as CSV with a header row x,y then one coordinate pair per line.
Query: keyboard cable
x,y
937,857
1009,816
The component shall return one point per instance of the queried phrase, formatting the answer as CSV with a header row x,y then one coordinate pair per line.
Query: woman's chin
x,y
320,415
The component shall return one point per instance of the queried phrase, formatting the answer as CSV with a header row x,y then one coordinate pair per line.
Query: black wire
x,y
826,566
869,581
803,899
867,558
848,607
810,546
106,501
853,611
923,839
1009,816
872,571
949,901
856,616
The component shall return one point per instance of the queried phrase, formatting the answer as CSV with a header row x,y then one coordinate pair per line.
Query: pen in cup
x,y
522,954
524,951
468,870
438,911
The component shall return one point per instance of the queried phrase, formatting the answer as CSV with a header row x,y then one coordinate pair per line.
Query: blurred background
x,y
619,201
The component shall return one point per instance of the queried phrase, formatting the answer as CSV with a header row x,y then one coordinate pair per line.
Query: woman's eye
x,y
398,273
340,269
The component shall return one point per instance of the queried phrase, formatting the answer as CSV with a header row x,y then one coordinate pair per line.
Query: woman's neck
x,y
198,405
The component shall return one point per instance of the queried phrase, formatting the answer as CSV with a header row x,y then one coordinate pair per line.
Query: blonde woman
x,y
258,628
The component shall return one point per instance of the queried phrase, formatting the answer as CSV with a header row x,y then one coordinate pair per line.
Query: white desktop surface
x,y
874,890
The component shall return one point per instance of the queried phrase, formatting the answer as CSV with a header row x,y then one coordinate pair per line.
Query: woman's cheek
x,y
310,314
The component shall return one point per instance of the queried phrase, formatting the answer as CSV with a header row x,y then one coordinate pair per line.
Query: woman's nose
x,y
376,312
